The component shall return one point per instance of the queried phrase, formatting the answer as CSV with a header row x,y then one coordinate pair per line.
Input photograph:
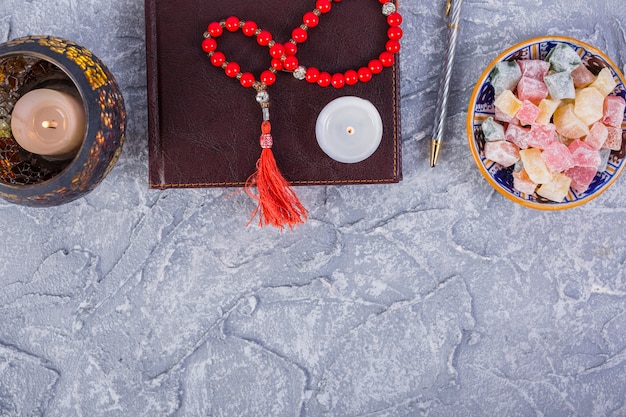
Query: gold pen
x,y
453,11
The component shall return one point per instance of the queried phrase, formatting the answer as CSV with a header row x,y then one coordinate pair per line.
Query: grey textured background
x,y
433,297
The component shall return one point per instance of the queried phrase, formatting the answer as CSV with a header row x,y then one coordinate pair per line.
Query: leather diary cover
x,y
204,127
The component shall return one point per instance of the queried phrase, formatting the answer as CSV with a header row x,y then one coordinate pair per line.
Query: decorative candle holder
x,y
36,62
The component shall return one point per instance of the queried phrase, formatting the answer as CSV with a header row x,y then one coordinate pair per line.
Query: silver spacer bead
x,y
299,73
389,8
262,97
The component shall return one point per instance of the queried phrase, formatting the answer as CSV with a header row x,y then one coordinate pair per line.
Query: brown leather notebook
x,y
204,127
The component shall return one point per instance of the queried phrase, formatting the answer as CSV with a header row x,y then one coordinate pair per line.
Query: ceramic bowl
x,y
481,106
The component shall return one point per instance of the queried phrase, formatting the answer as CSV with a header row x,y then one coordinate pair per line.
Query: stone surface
x,y
436,296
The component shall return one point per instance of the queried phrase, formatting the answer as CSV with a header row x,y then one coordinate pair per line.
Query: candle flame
x,y
49,124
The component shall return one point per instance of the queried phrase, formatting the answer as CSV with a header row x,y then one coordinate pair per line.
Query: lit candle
x,y
349,129
49,122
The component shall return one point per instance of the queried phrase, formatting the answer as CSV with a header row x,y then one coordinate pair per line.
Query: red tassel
x,y
279,205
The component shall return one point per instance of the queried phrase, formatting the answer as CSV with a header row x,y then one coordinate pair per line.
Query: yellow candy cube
x,y
568,124
546,110
557,188
604,83
589,105
534,165
508,103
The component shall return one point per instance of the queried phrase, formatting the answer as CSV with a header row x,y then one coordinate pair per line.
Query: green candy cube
x,y
563,58
560,85
505,76
492,130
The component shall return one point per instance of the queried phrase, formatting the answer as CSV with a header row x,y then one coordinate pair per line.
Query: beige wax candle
x,y
48,122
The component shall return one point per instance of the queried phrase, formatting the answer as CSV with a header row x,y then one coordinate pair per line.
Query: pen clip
x,y
448,7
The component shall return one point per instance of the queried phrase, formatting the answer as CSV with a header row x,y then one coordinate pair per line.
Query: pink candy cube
x,y
523,183
581,177
541,135
518,135
534,68
528,113
584,155
557,157
531,89
597,135
614,139
614,107
582,76
502,151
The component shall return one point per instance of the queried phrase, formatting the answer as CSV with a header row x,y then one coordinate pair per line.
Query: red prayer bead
x,y
232,69
215,29
217,59
392,46
323,80
247,79
290,48
310,19
277,51
394,19
249,28
209,45
299,35
337,80
387,59
394,33
264,38
290,63
266,127
268,77
232,24
277,64
351,77
323,6
312,74
364,74
383,1
375,66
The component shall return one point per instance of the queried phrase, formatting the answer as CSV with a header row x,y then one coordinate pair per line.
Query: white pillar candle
x,y
349,129
48,122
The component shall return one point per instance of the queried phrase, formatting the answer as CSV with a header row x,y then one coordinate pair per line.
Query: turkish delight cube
x,y
518,135
582,77
492,129
584,155
531,89
557,188
557,157
527,113
546,110
523,183
613,111
541,135
589,105
613,139
560,85
581,177
568,124
604,83
503,152
563,58
534,68
597,135
535,166
505,76
508,103
500,116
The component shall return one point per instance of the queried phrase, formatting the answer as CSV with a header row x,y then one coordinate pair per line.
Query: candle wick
x,y
350,130
47,124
